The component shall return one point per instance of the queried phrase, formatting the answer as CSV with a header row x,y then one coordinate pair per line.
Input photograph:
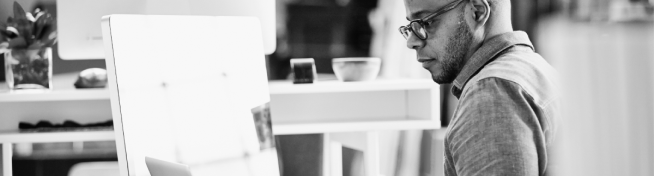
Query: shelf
x,y
275,87
54,95
332,127
334,106
86,154
64,90
73,136
334,86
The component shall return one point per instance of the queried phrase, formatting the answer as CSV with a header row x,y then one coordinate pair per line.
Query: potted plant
x,y
26,39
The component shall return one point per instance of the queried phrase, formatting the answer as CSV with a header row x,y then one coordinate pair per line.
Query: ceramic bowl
x,y
351,69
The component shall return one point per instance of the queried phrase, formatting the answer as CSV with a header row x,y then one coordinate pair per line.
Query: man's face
x,y
448,39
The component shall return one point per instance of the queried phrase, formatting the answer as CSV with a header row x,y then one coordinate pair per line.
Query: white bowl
x,y
350,69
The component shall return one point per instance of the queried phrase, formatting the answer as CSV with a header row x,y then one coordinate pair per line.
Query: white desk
x,y
64,102
357,110
352,114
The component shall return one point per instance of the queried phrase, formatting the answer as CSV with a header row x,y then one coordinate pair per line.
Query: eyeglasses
x,y
417,27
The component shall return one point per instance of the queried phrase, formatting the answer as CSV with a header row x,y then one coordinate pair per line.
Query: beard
x,y
456,48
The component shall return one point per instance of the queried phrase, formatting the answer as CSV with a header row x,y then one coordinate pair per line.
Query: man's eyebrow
x,y
420,14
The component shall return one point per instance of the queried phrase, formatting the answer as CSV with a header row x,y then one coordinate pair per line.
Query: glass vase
x,y
29,68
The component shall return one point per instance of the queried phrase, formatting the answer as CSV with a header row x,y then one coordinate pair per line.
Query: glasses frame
x,y
422,22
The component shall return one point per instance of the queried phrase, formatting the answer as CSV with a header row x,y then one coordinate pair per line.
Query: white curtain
x,y
400,151
387,43
608,95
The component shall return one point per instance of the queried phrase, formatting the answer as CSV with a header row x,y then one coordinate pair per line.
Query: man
x,y
505,120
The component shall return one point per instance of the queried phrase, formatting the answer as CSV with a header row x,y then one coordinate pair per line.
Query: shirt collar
x,y
487,52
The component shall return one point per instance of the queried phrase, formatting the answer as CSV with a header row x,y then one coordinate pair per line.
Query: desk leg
x,y
7,154
326,154
336,158
371,154
367,142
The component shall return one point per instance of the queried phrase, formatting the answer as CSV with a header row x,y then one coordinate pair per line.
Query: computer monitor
x,y
78,21
199,99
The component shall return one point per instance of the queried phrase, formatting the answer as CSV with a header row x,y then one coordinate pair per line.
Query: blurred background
x,y
603,50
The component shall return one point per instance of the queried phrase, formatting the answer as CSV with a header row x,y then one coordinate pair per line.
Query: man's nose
x,y
413,42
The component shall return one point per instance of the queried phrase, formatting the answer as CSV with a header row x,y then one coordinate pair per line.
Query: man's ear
x,y
480,11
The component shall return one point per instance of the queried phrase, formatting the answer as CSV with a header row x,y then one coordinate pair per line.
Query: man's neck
x,y
497,27
490,32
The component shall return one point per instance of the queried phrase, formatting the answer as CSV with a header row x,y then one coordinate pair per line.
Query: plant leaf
x,y
36,45
11,32
30,17
39,14
4,47
43,25
37,28
18,43
19,13
23,25
38,31
25,31
51,39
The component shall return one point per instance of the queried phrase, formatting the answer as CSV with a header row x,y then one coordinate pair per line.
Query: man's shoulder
x,y
526,69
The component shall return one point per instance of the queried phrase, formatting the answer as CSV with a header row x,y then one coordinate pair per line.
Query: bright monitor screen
x,y
78,21
199,99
